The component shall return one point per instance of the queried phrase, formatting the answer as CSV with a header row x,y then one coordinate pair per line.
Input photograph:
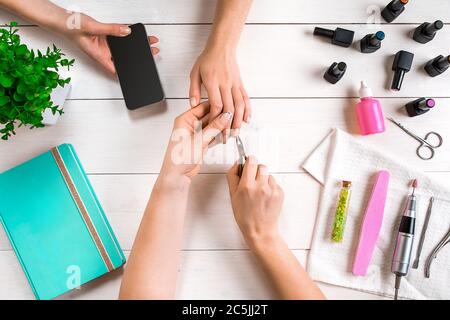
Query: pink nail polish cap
x,y
371,226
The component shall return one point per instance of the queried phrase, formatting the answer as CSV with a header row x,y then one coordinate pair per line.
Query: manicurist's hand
x,y
218,71
257,200
91,38
193,132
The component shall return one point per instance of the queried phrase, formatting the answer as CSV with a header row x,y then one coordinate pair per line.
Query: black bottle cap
x,y
419,106
398,4
403,60
335,72
376,38
393,10
437,66
340,37
443,62
402,64
431,28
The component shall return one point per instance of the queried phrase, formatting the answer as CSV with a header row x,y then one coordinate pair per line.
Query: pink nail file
x,y
370,229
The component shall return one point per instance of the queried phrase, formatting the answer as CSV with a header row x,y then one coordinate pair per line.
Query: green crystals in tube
x,y
341,212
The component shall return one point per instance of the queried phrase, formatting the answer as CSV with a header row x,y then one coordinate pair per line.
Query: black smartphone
x,y
136,68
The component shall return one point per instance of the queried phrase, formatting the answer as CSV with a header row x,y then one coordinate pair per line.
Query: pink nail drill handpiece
x,y
370,229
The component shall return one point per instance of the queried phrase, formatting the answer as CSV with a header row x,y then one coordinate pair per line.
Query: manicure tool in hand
x,y
424,143
422,235
445,241
242,155
405,239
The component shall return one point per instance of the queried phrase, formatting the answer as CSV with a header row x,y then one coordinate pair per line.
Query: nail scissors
x,y
445,241
424,142
242,155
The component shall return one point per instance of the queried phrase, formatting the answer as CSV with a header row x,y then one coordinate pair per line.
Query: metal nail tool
x,y
424,143
422,235
433,255
242,155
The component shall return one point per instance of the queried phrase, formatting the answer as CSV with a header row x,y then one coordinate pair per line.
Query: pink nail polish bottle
x,y
369,112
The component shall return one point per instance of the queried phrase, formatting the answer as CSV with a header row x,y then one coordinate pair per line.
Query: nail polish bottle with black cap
x,y
420,106
340,37
402,64
393,10
335,72
427,31
438,65
372,42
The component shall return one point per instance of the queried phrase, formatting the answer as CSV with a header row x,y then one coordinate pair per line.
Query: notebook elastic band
x,y
82,209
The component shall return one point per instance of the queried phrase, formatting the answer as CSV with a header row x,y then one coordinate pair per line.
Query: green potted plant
x,y
27,81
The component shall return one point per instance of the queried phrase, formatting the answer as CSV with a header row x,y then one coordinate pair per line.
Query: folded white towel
x,y
342,157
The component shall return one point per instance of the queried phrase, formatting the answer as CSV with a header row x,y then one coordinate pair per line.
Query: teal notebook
x,y
55,223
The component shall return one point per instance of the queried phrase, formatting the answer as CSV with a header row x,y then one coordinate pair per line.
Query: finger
x,y
155,51
108,64
250,170
215,127
262,175
233,178
195,87
108,29
215,100
272,182
239,108
201,110
153,40
247,106
228,106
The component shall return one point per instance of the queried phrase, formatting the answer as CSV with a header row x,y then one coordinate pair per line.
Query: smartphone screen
x,y
136,68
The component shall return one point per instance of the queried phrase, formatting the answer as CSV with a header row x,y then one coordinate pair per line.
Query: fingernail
x,y
264,171
125,30
227,115
193,102
249,119
234,133
252,160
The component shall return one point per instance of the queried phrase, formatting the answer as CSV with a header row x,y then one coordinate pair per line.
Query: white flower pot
x,y
59,97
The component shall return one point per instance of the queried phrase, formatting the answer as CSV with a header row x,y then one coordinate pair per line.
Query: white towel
x,y
342,157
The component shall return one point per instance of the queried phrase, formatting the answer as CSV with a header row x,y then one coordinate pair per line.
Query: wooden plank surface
x,y
263,11
282,134
202,275
274,62
210,221
294,108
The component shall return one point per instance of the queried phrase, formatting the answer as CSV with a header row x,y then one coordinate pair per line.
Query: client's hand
x,y
91,38
190,139
257,200
218,71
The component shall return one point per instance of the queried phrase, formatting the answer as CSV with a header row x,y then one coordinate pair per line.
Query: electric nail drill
x,y
372,42
393,10
427,31
437,66
335,72
405,239
340,37
420,106
402,64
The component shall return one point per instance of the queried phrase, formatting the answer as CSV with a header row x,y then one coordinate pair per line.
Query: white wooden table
x,y
282,65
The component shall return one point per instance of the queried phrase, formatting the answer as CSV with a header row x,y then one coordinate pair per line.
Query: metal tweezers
x,y
424,231
242,155
433,255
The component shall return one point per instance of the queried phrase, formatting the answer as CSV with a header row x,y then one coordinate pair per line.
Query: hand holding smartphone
x,y
136,68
